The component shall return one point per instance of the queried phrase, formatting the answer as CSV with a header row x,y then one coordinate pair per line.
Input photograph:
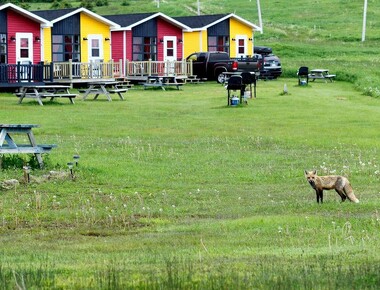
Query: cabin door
x,y
95,54
170,53
24,54
241,46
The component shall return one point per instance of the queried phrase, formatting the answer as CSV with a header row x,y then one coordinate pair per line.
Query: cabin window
x,y
95,47
218,43
144,48
3,48
241,46
66,47
24,47
170,48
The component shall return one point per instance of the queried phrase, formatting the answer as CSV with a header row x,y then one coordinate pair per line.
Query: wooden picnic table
x,y
162,82
11,145
105,88
39,92
322,74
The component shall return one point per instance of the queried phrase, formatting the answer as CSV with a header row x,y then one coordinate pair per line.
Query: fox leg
x,y
341,193
319,195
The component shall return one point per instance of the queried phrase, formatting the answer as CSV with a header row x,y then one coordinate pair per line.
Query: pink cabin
x,y
20,43
146,36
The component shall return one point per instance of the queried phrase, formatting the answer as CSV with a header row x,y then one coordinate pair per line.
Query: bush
x,y
101,3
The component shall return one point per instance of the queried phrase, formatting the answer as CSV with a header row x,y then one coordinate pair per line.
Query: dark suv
x,y
270,64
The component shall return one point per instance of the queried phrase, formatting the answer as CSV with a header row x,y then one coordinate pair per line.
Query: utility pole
x,y
260,20
364,19
199,10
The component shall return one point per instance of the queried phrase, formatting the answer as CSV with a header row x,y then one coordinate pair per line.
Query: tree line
x,y
60,4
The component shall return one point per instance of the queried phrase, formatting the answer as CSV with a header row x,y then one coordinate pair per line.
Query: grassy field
x,y
176,190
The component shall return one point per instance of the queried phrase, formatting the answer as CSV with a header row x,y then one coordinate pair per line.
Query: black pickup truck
x,y
212,65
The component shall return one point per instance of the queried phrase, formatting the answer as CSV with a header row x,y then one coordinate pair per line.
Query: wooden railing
x,y
93,70
82,70
18,73
148,68
21,73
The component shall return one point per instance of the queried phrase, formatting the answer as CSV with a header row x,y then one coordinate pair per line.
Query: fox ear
x,y
315,172
305,172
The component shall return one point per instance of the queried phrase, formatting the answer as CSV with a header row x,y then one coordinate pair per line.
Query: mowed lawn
x,y
176,190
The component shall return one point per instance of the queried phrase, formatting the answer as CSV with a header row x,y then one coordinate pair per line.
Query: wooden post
x,y
121,69
112,69
70,69
126,67
191,67
184,67
18,72
29,71
51,68
149,67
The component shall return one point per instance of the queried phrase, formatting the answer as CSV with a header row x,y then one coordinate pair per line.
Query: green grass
x,y
176,190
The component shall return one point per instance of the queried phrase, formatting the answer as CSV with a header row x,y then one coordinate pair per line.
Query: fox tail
x,y
350,193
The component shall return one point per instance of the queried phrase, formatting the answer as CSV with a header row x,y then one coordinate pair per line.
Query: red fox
x,y
340,183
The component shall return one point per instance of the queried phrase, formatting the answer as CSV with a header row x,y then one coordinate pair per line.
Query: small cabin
x,y
21,45
219,32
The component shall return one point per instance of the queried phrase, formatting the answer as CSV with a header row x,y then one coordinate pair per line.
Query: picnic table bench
x,y
10,145
39,92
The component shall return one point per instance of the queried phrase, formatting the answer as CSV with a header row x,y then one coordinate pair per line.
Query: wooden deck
x,y
76,73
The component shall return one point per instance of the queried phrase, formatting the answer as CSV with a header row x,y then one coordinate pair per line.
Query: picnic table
x,y
105,88
39,92
11,145
322,74
162,82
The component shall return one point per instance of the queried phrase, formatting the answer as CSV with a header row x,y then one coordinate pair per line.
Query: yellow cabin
x,y
77,34
219,32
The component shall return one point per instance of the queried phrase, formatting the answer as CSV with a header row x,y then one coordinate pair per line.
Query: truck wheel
x,y
220,78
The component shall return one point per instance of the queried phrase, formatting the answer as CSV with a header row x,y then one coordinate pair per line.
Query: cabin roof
x,y
57,15
128,21
25,13
202,22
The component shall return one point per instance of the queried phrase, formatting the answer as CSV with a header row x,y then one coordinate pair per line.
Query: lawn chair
x,y
235,83
303,75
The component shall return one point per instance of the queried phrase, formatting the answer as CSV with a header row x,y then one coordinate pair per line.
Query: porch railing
x,y
148,68
18,73
82,70
103,70
25,72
